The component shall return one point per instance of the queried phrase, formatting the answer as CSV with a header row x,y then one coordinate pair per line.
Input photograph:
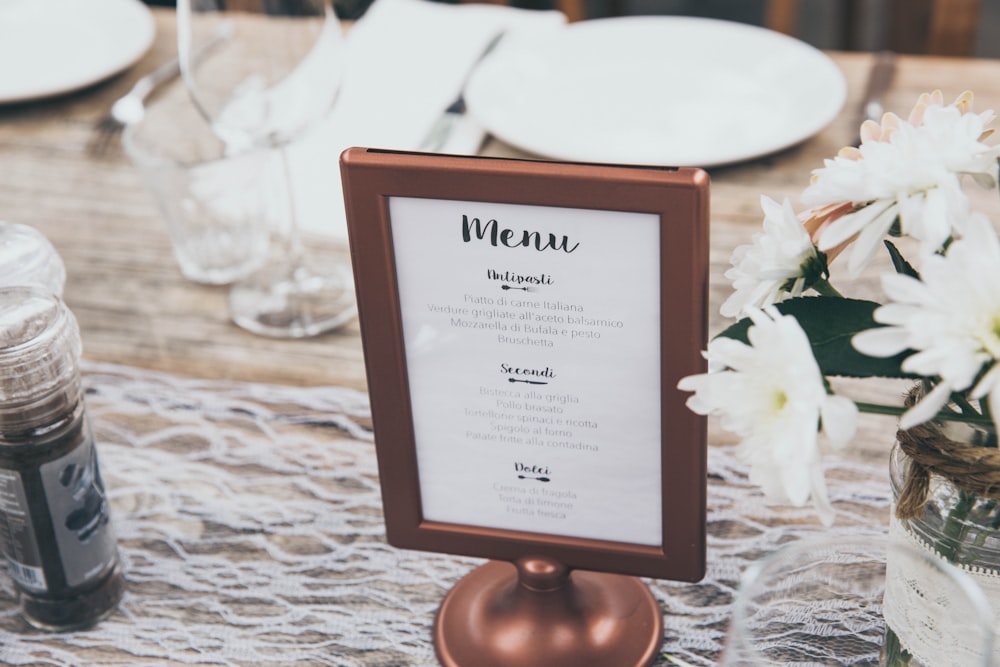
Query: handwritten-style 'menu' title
x,y
501,236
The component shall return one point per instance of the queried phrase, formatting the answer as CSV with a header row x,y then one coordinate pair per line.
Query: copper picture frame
x,y
676,199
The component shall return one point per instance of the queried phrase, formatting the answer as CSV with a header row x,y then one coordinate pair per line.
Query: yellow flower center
x,y
991,339
779,400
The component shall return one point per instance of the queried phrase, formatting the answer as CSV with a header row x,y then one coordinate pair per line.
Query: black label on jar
x,y
17,534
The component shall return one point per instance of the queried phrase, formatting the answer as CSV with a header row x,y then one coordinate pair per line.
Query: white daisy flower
x,y
771,393
781,259
951,317
910,171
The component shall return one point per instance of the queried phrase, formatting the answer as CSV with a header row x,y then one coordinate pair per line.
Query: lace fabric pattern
x,y
249,523
922,610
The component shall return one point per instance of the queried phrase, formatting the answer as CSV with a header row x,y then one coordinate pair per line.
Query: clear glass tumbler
x,y
819,601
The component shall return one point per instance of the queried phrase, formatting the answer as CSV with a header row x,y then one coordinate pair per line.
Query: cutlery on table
x,y
880,77
444,127
130,108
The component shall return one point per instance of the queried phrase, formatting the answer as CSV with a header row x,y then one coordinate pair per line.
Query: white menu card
x,y
532,340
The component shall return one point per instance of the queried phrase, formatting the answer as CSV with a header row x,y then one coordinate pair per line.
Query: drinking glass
x,y
275,76
216,208
820,601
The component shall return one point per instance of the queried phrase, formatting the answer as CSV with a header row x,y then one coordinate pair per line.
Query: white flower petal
x,y
772,396
901,287
935,223
840,419
927,408
777,257
691,382
842,229
915,168
771,208
881,342
869,241
948,317
989,383
995,404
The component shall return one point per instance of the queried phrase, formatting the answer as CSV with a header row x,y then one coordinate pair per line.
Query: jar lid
x,y
39,355
28,258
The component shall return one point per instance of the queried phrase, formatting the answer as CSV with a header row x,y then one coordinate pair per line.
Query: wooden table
x,y
135,308
137,312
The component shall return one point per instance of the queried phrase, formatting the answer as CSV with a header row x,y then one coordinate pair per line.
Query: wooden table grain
x,y
135,308
137,311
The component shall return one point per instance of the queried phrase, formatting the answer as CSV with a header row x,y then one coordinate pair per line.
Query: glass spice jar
x,y
55,529
28,258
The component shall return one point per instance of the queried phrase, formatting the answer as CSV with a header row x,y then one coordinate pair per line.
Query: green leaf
x,y
830,323
899,262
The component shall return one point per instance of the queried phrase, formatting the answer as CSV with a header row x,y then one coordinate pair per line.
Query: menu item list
x,y
532,338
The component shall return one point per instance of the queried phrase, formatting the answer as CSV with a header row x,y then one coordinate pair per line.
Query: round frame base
x,y
537,613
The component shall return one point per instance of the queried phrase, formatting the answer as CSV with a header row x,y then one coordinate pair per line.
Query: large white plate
x,y
49,47
657,90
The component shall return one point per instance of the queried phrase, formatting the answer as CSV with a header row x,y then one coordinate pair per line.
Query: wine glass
x,y
272,78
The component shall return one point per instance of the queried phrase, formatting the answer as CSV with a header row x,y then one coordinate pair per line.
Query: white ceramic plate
x,y
49,47
656,90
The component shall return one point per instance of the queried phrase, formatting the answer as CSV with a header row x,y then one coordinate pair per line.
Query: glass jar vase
x,y
946,502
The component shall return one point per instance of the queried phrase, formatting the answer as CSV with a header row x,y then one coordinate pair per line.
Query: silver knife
x,y
879,80
444,126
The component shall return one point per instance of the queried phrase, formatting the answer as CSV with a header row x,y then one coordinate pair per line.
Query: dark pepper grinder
x,y
55,524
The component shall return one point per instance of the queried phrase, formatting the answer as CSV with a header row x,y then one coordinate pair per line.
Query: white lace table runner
x,y
249,523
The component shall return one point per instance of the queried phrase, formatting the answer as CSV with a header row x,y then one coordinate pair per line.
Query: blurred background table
x,y
135,308
250,458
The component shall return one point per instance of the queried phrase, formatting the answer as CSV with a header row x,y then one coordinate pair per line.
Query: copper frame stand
x,y
537,613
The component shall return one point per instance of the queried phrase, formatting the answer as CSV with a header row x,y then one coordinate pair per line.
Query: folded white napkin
x,y
407,60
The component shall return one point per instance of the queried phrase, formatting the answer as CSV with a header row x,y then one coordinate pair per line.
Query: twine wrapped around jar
x,y
968,466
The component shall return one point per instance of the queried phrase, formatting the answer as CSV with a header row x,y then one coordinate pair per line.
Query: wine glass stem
x,y
291,239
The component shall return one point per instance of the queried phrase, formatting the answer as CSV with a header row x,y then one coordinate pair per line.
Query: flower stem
x,y
956,527
963,404
878,409
893,653
825,288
